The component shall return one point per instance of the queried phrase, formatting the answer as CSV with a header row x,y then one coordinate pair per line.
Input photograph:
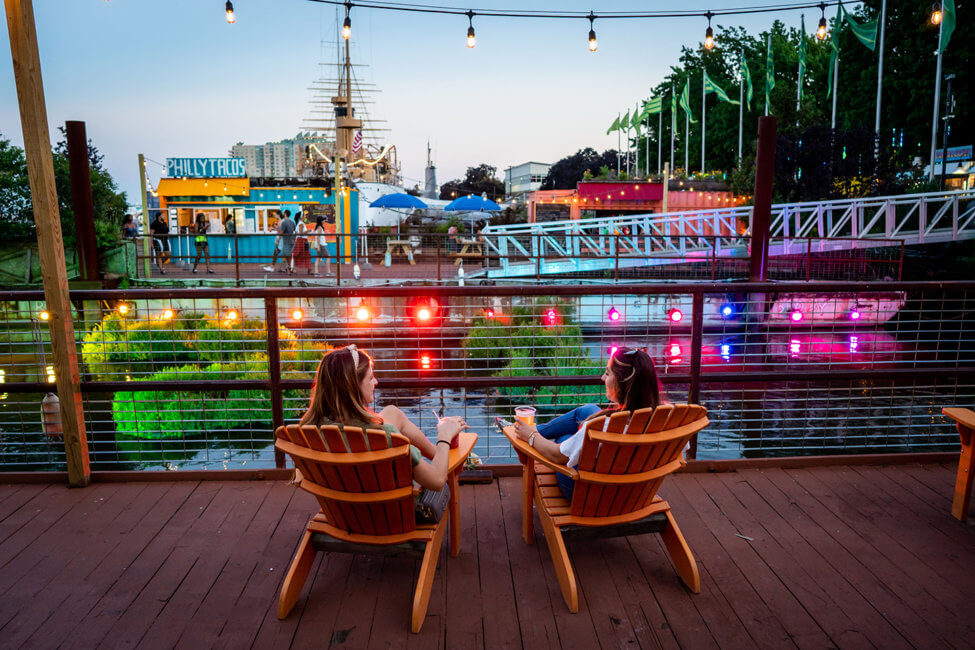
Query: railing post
x,y
274,370
808,257
697,337
439,239
762,211
616,256
954,218
922,220
236,257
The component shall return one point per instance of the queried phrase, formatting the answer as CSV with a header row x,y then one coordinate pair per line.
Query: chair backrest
x,y
626,457
363,483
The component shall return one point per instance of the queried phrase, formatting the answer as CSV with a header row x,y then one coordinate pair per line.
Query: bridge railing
x,y
198,378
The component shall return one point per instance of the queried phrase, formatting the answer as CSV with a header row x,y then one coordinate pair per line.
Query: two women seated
x,y
345,388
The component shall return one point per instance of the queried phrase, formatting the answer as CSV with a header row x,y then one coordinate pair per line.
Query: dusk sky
x,y
171,78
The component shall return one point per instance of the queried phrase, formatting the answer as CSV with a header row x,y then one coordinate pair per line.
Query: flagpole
x,y
880,67
937,97
660,136
766,71
646,144
741,105
618,145
687,144
704,117
836,91
673,128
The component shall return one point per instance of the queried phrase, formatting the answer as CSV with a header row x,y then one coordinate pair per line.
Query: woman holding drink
x,y
631,384
345,387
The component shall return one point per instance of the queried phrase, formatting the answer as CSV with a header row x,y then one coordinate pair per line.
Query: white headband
x,y
355,355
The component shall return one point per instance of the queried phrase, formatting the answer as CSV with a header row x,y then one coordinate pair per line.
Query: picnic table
x,y
404,246
473,248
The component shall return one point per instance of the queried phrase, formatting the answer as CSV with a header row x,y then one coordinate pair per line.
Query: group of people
x,y
301,244
344,390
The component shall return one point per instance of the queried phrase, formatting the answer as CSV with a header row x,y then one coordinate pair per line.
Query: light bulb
x,y
821,30
471,41
709,39
592,40
347,28
230,13
936,15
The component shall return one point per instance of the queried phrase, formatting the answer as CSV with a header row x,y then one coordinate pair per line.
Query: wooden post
x,y
145,218
40,170
762,205
84,209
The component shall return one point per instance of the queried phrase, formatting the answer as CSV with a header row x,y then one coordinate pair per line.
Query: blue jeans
x,y
561,428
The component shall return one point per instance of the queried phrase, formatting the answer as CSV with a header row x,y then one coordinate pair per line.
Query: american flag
x,y
357,142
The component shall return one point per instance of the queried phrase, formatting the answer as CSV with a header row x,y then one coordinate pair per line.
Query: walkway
x,y
844,556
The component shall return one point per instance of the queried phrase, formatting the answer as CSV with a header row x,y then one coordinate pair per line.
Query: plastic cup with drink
x,y
455,443
526,414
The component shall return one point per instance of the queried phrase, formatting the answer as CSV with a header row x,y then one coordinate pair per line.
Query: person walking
x,y
202,245
160,240
287,231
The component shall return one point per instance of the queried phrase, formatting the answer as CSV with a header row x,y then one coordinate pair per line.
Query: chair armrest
x,y
522,448
458,456
964,417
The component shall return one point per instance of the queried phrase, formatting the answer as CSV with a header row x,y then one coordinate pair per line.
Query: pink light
x,y
613,350
489,313
854,314
675,315
794,346
614,314
796,316
552,317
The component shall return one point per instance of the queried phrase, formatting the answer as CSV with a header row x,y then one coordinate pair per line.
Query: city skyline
x,y
173,79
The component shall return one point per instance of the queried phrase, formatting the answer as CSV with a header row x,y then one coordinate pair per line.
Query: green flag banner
x,y
614,126
711,87
685,101
746,77
802,54
947,22
769,75
625,122
866,33
637,120
834,45
673,101
653,106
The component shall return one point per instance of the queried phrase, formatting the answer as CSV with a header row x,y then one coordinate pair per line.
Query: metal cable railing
x,y
198,378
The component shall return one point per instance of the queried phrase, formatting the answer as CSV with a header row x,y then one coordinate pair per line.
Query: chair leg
x,y
680,555
297,574
428,568
560,558
527,493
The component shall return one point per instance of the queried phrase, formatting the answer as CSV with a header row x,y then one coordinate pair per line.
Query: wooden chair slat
x,y
659,420
587,458
639,420
392,512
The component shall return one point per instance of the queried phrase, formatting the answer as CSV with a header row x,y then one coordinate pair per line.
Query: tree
x,y
478,180
16,209
567,172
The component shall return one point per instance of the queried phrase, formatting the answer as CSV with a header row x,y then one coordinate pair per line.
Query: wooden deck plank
x,y
827,532
147,567
864,620
14,496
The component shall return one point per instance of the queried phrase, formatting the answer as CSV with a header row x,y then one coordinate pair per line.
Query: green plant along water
x,y
190,347
513,345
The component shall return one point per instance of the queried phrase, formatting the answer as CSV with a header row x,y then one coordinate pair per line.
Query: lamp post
x,y
949,109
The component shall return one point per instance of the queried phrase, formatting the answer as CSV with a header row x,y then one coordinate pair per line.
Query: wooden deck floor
x,y
841,556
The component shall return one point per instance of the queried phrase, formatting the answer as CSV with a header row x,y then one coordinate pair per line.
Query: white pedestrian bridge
x,y
640,240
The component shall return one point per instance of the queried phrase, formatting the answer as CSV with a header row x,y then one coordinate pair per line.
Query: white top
x,y
572,447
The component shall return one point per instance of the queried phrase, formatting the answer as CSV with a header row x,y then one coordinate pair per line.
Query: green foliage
x,y
16,210
516,345
478,180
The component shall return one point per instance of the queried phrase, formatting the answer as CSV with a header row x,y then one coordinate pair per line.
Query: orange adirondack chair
x,y
616,486
365,489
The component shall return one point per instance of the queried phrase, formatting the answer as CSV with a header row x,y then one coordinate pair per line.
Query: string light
x,y
936,15
230,13
821,30
123,308
471,41
347,23
592,33
709,35
44,315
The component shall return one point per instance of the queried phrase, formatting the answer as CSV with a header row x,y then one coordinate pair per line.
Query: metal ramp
x,y
642,240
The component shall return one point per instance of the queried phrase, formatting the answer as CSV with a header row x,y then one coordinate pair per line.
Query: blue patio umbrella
x,y
398,201
472,203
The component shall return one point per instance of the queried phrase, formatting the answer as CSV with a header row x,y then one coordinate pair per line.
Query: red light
x,y
675,315
423,314
796,316
362,313
675,350
552,317
425,362
614,314
489,313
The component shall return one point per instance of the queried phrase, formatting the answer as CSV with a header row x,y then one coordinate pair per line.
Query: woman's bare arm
x,y
398,419
544,446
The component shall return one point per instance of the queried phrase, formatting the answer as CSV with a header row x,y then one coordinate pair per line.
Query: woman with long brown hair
x,y
343,390
631,384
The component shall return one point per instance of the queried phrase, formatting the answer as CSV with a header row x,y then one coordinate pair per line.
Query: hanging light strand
x,y
821,30
229,9
347,23
709,35
592,33
936,14
471,41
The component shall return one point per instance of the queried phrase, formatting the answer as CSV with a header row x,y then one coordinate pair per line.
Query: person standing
x,y
160,240
301,253
129,229
276,228
287,230
202,245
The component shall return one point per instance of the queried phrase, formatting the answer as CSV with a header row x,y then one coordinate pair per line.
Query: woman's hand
x,y
448,428
524,431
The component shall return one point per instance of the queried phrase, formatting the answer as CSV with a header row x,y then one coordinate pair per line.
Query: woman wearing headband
x,y
345,387
631,384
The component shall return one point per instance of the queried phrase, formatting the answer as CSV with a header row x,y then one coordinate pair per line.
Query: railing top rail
x,y
497,290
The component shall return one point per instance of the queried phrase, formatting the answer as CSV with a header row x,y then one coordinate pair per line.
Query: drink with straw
x,y
455,443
